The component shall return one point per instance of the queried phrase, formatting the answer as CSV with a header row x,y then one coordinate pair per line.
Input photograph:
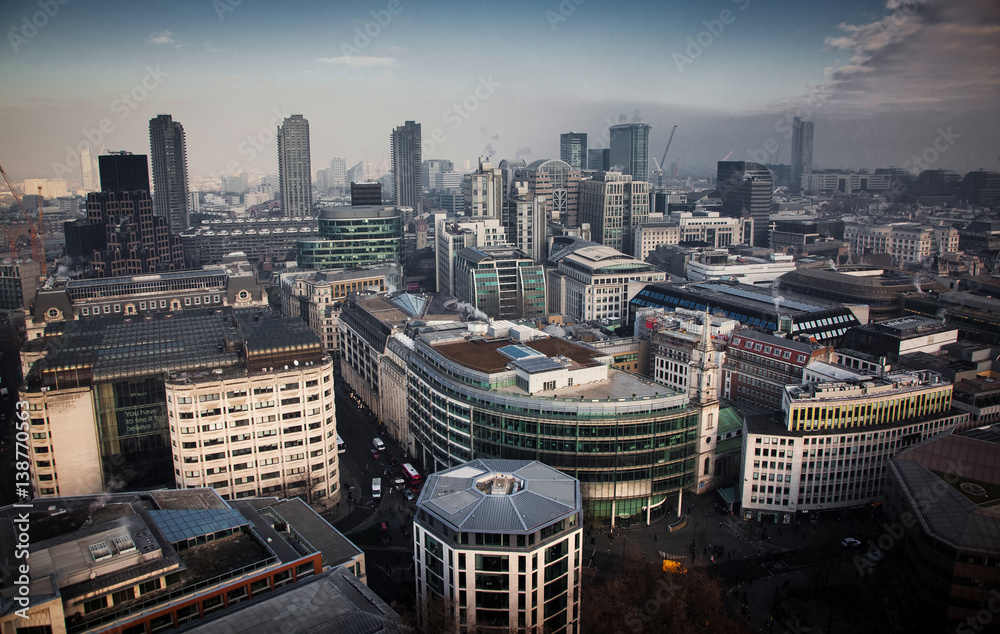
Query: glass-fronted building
x,y
504,391
353,236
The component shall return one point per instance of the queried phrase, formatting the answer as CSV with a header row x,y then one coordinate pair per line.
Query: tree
x,y
639,597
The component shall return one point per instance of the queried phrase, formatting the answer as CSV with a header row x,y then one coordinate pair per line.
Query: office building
x,y
353,236
791,313
503,282
484,193
453,203
748,270
939,495
882,290
123,172
316,297
838,181
651,235
366,194
454,234
236,400
337,179
168,151
135,240
555,180
499,544
673,336
295,167
829,445
528,212
629,152
802,151
746,188
375,351
614,205
511,392
260,239
711,227
407,169
432,169
873,345
573,149
758,366
19,280
87,170
593,282
599,160
232,283
904,241
184,560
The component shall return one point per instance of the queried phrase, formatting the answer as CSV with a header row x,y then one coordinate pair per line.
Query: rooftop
x,y
483,354
500,496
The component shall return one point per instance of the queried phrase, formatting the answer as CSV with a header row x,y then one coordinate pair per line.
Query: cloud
x,y
358,60
922,54
928,56
164,37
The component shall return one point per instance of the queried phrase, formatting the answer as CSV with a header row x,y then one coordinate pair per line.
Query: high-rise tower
x,y
123,172
294,167
170,180
630,150
747,187
573,149
802,151
407,168
87,169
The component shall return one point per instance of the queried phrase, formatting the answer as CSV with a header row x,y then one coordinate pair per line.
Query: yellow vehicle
x,y
674,567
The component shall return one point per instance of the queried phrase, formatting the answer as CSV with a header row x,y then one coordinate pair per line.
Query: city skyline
x,y
882,81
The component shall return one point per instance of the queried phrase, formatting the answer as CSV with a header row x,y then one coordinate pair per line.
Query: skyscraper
x,y
599,160
802,151
614,205
338,173
87,169
407,168
573,149
294,167
630,150
123,172
745,185
170,181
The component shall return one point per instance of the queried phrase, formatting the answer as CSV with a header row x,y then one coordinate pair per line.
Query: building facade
x,y
168,150
758,367
404,153
904,241
353,236
747,187
629,152
135,240
502,282
483,191
454,234
573,149
498,544
829,446
295,167
123,172
500,391
592,282
261,239
614,205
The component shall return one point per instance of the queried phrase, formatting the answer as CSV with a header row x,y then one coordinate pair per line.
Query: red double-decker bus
x,y
413,478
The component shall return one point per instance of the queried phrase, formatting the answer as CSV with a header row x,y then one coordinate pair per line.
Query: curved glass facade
x,y
347,241
630,454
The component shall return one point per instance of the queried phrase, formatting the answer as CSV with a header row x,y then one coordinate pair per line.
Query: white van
x,y
376,488
379,445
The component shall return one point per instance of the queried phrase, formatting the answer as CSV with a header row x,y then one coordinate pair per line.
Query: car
x,y
409,495
399,483
375,454
850,542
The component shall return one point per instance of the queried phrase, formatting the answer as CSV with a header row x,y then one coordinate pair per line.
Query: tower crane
x,y
659,166
34,227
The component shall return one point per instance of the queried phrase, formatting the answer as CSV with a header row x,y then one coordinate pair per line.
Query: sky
x,y
913,84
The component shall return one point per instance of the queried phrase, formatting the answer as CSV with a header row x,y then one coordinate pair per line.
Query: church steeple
x,y
703,366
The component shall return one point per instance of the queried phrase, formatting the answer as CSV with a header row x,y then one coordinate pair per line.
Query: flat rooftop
x,y
480,353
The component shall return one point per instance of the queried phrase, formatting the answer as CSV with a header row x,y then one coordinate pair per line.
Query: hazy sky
x,y
883,81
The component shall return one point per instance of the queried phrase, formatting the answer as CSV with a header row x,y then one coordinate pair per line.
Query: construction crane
x,y
34,227
659,166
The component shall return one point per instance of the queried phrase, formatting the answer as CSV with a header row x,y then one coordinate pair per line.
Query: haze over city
x,y
881,80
